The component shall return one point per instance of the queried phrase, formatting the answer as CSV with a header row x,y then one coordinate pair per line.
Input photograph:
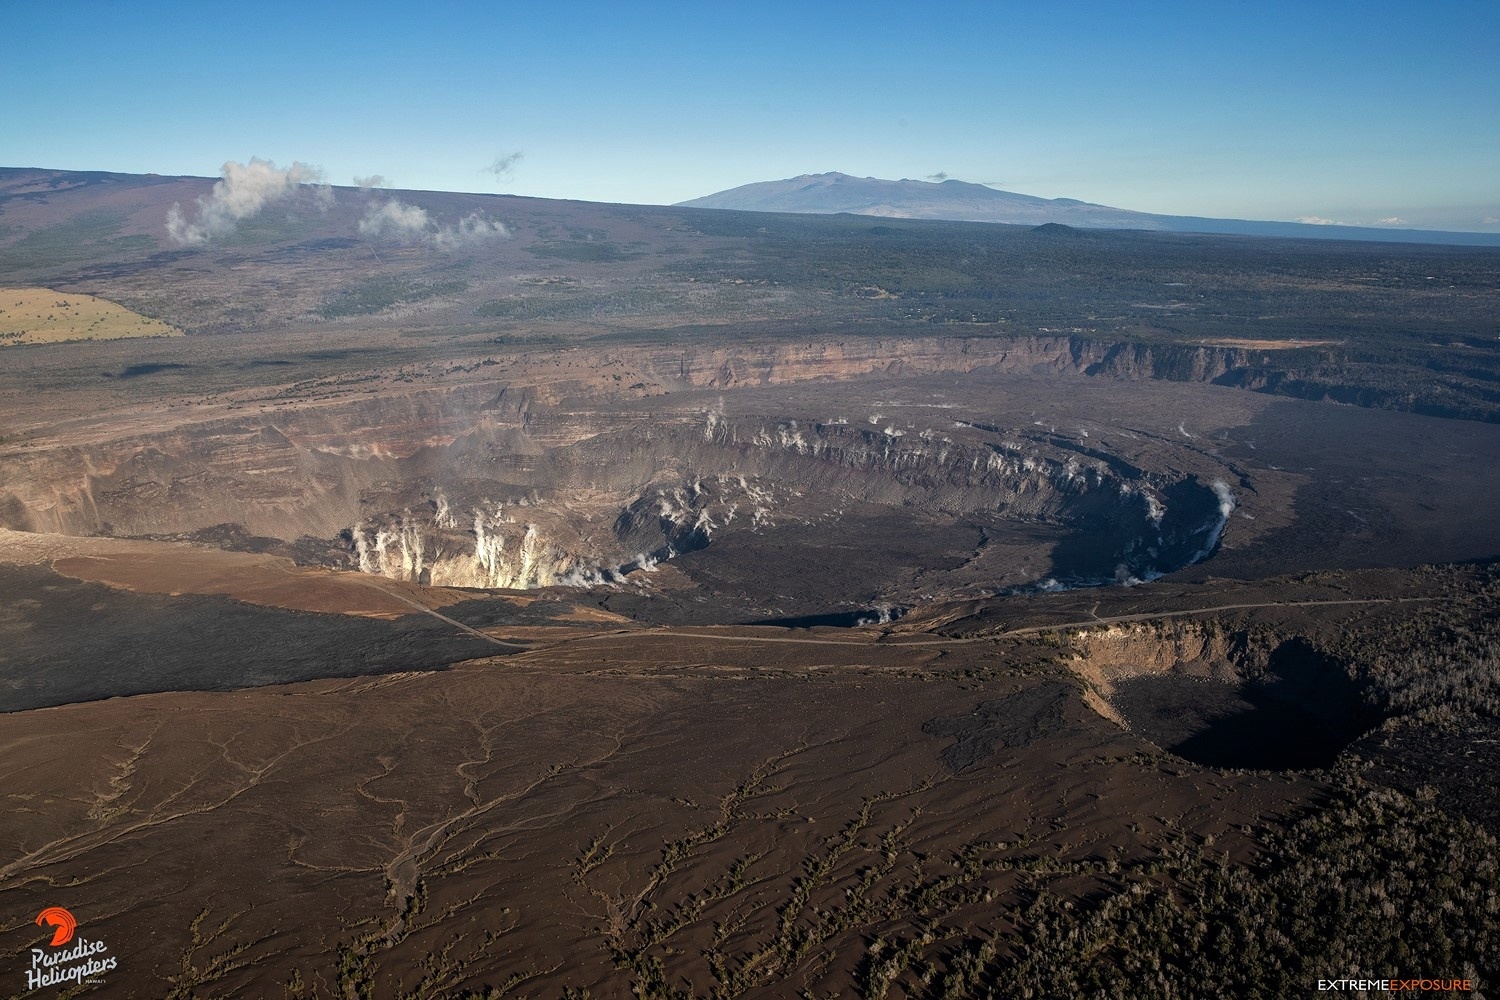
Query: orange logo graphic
x,y
62,920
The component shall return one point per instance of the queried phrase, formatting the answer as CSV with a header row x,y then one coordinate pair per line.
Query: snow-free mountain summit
x,y
961,201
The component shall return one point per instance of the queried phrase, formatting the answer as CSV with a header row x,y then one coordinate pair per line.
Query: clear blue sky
x,y
1353,112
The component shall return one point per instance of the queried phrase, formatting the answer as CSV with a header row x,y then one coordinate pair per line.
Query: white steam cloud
x,y
1225,496
372,181
244,190
396,220
1216,527
470,230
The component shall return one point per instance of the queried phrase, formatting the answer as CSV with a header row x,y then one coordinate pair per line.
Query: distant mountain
x,y
959,201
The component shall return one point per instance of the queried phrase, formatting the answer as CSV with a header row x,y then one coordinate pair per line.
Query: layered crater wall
x,y
591,469
788,478
892,470
277,468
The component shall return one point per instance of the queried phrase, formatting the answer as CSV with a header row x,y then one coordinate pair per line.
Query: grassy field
x,y
42,316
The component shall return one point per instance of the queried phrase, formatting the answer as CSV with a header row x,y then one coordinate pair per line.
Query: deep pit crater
x,y
1225,699
609,509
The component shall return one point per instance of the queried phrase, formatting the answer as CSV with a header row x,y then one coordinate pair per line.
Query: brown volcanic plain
x,y
635,605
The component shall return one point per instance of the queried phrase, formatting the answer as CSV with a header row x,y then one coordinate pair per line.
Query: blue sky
x,y
1350,112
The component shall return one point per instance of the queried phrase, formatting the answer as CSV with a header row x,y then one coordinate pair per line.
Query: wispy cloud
x,y
938,177
1318,220
505,165
1394,220
242,192
1490,220
367,183
403,223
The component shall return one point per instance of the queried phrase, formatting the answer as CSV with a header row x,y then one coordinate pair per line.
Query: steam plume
x,y
396,220
471,229
245,189
1215,528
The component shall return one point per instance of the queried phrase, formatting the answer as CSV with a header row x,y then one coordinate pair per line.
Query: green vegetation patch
x,y
1372,884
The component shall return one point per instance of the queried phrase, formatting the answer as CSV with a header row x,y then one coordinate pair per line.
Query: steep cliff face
x,y
302,466
1306,371
496,489
1108,656
1240,698
1184,363
778,364
282,473
577,468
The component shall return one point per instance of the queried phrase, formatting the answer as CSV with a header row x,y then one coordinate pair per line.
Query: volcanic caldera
x,y
669,602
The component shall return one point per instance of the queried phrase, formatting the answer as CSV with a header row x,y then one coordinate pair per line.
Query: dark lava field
x,y
674,603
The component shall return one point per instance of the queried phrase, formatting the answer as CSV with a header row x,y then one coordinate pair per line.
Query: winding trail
x,y
372,582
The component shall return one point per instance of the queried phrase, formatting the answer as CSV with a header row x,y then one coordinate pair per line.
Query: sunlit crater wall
x,y
545,483
592,512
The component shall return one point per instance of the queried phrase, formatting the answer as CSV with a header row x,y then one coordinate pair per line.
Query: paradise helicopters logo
x,y
59,965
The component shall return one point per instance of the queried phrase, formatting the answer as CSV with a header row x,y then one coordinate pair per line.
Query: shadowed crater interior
x,y
1231,726
1298,711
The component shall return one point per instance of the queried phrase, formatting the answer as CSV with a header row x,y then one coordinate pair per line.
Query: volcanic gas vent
x,y
530,541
